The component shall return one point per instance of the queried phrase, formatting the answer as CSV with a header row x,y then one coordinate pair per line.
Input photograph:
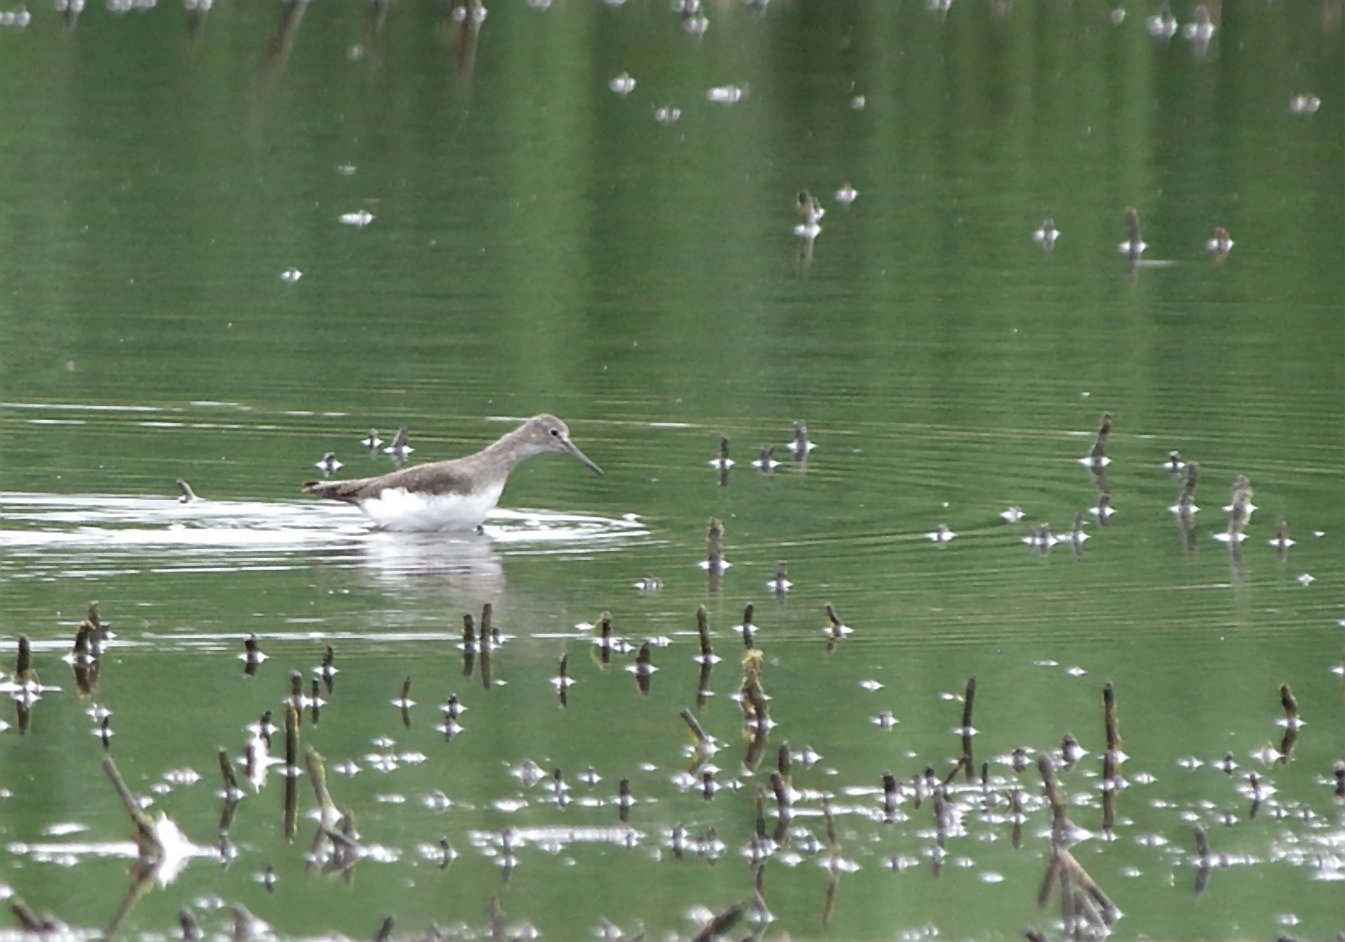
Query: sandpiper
x,y
456,494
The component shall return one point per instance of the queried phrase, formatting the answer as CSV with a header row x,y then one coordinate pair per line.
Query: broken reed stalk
x,y
317,771
1202,845
1109,719
714,545
968,704
1187,498
1099,449
291,738
1289,703
487,633
835,623
328,669
1059,822
703,634
468,634
721,922
698,734
226,767
752,696
783,800
23,664
146,839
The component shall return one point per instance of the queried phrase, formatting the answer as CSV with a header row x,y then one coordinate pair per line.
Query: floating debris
x,y
329,465
359,218
811,212
187,494
1219,244
800,446
940,534
726,94
398,449
764,462
1046,234
1133,246
1200,30
1040,538
1163,25
1304,104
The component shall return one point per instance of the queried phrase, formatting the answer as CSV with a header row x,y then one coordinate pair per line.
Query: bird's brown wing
x,y
441,477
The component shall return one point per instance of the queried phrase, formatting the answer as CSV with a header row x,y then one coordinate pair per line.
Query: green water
x,y
540,243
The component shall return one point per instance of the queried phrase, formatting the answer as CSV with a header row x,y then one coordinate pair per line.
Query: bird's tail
x,y
336,490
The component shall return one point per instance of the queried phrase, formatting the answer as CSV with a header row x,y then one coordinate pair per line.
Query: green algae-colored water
x,y
539,242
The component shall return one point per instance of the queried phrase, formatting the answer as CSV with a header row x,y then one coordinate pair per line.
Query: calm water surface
x,y
535,241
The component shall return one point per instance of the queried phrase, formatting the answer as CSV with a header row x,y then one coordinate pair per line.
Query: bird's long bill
x,y
573,449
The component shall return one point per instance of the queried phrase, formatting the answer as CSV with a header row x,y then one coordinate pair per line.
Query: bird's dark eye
x,y
555,433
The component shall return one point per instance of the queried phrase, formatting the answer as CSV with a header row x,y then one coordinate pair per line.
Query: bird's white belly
x,y
396,508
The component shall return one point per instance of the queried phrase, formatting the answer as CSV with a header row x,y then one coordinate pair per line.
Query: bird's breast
x,y
396,508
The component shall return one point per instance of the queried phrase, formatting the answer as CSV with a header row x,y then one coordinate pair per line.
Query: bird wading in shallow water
x,y
456,494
